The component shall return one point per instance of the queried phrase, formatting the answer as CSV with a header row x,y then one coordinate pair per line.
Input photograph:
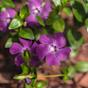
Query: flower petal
x,y
59,39
45,39
28,81
31,19
15,48
33,48
24,42
18,60
51,59
46,9
35,3
42,51
11,12
3,25
35,61
63,54
4,15
56,58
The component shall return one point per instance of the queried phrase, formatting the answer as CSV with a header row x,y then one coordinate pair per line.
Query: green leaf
x,y
24,12
15,23
28,86
77,15
26,33
8,3
25,69
8,43
86,7
65,74
74,38
79,11
71,71
74,52
53,16
82,67
41,84
64,2
59,25
40,20
57,2
26,56
67,10
72,2
86,22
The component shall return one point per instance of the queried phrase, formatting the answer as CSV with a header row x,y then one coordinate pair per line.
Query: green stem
x,y
21,77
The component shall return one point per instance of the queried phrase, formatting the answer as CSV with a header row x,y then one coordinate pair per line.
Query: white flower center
x,y
53,47
36,10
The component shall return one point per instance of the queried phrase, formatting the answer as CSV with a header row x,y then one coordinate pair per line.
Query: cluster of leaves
x,y
75,9
70,71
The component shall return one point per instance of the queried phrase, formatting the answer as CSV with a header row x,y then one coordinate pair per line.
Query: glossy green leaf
x,y
57,2
59,25
67,10
77,15
65,74
86,7
28,86
41,84
25,69
71,71
24,12
26,33
82,67
40,20
15,23
86,22
74,38
8,3
53,16
79,11
64,2
72,2
8,43
26,56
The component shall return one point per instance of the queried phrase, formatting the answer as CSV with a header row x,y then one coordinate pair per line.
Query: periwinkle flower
x,y
19,48
38,8
35,61
5,17
52,48
28,80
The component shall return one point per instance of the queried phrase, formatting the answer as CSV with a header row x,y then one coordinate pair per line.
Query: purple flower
x,y
19,48
35,61
28,80
38,8
52,49
5,17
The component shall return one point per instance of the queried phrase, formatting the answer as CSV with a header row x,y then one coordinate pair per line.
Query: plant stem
x,y
21,77
49,76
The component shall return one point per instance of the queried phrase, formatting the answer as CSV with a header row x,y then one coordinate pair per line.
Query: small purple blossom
x,y
52,48
28,81
5,17
19,48
38,8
